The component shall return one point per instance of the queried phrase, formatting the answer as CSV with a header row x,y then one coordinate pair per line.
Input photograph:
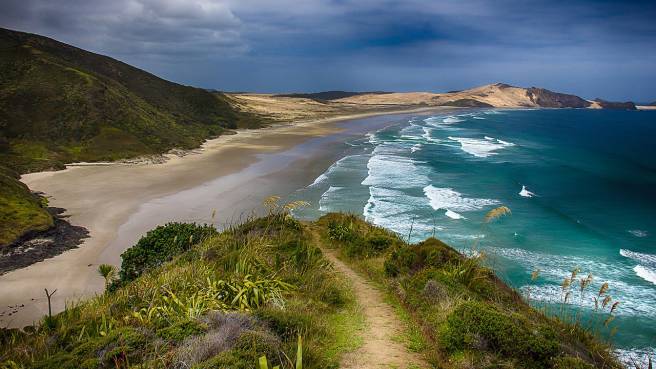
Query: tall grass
x,y
266,267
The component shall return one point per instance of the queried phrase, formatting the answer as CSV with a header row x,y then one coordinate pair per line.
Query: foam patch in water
x,y
453,215
339,164
645,273
638,233
393,171
449,199
525,193
392,209
635,299
481,148
328,197
647,264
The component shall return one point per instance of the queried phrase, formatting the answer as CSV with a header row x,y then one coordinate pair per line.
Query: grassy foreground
x,y
460,315
190,297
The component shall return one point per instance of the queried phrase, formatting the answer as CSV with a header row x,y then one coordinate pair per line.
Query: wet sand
x,y
119,203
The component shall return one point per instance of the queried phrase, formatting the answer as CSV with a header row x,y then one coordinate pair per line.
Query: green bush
x,y
180,330
340,232
286,323
410,259
160,245
357,240
482,327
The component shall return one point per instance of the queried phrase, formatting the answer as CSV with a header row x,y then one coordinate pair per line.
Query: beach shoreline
x,y
103,198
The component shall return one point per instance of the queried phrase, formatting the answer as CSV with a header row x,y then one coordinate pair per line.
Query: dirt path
x,y
379,349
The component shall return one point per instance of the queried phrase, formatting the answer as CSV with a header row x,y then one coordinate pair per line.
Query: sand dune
x,y
495,95
498,95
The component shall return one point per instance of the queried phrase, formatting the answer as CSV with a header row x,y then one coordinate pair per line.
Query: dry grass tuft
x,y
225,329
497,213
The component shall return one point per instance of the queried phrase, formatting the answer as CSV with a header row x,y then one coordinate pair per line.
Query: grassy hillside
x,y
462,315
222,300
60,104
20,210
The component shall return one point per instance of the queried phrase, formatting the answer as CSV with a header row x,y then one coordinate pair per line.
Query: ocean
x,y
581,185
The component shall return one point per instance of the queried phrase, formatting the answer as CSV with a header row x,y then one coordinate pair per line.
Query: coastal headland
x,y
117,202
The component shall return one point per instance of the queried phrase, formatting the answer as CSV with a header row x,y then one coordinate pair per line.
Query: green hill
x,y
20,210
190,297
61,104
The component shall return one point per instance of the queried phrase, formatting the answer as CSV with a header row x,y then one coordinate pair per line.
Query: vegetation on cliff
x,y
464,316
224,300
60,104
21,211
223,303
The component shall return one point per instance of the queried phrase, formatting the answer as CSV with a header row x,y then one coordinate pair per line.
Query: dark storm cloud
x,y
592,48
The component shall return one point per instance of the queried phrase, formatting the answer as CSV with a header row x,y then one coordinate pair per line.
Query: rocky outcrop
x,y
549,99
628,105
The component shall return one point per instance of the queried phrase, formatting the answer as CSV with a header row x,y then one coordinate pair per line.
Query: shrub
x,y
356,238
433,291
287,323
224,331
481,326
248,348
180,330
340,231
160,245
410,259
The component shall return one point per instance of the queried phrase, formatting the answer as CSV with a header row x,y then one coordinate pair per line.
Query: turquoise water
x,y
581,185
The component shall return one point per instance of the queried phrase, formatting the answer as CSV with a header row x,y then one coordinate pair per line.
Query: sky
x,y
591,48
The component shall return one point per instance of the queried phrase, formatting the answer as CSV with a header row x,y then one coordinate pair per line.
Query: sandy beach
x,y
118,203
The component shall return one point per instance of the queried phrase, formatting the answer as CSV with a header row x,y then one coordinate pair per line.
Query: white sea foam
x,y
394,171
415,147
453,215
466,236
525,193
320,179
481,148
636,299
451,119
392,209
638,233
328,197
451,200
632,356
325,175
646,269
478,117
433,120
444,122
647,259
427,135
645,273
